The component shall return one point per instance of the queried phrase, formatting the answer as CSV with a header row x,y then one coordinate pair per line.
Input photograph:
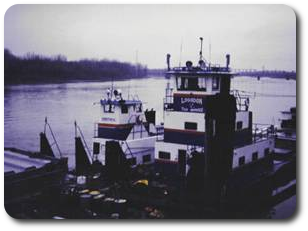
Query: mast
x,y
136,63
181,48
210,51
201,43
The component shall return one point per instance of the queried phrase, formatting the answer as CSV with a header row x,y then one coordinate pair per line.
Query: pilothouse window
x,y
138,108
182,83
109,108
124,109
215,83
191,84
164,155
202,84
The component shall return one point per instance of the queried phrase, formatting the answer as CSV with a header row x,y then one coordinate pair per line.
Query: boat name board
x,y
108,119
189,104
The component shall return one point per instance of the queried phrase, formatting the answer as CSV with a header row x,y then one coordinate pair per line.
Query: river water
x,y
26,106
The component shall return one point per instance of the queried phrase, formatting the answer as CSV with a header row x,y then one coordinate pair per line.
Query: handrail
x,y
143,151
128,148
242,101
192,148
53,136
212,68
95,129
263,132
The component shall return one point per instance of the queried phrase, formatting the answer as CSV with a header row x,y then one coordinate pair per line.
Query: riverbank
x,y
33,68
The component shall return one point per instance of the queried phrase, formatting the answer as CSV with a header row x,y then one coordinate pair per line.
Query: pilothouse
x,y
131,129
207,124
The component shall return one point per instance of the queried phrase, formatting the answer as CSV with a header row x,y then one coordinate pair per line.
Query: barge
x,y
31,179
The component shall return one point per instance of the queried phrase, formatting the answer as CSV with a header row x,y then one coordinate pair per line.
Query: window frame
x,y
187,126
215,79
254,156
237,125
266,152
191,83
96,146
162,153
124,106
146,156
111,108
132,161
240,162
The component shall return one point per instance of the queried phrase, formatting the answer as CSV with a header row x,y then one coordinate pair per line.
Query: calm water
x,y
26,106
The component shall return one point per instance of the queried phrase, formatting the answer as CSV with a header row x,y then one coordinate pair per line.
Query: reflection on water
x,y
26,106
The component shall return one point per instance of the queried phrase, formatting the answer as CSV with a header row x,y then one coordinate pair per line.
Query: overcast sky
x,y
254,35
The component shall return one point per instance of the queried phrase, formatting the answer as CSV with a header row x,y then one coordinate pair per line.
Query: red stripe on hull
x,y
102,125
184,131
189,95
166,161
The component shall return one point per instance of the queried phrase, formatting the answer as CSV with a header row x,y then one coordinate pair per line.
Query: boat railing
x,y
262,132
193,148
211,68
133,97
168,100
136,119
128,150
133,153
242,100
95,130
133,119
159,132
168,103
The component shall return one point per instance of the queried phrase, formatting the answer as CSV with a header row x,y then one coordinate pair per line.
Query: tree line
x,y
33,68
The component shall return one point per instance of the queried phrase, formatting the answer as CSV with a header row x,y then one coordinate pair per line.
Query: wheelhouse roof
x,y
120,102
199,72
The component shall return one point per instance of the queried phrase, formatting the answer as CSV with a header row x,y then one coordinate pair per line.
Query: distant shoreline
x,y
37,69
33,68
109,79
71,80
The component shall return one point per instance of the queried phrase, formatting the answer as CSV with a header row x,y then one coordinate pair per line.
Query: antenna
x,y
201,43
181,47
128,89
210,51
136,62
168,61
137,70
111,87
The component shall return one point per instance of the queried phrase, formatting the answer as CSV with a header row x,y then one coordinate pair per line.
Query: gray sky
x,y
254,35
